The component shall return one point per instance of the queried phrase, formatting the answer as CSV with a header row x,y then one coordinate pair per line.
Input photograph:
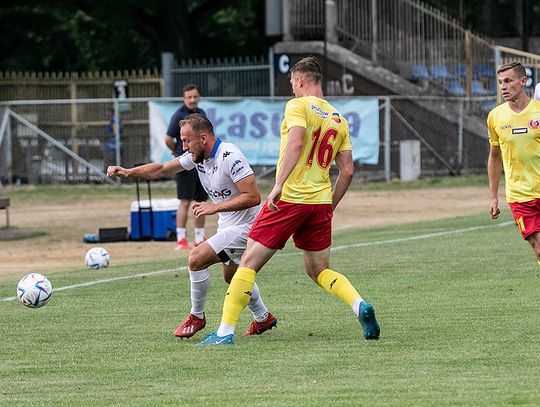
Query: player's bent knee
x,y
196,261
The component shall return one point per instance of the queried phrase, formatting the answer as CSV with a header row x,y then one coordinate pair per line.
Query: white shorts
x,y
230,243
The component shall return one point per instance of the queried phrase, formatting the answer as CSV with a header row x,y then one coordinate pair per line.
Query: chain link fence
x,y
73,141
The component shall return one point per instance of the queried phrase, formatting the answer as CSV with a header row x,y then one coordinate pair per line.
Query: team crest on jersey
x,y
335,117
534,124
214,169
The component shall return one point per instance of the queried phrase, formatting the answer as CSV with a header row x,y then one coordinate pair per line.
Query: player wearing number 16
x,y
301,203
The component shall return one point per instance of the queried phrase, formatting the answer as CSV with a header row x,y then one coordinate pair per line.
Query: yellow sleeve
x,y
346,143
492,134
295,114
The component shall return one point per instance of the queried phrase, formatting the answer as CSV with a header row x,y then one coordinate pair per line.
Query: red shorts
x,y
527,216
310,226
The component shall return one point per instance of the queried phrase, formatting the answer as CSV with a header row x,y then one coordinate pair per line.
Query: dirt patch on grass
x,y
65,225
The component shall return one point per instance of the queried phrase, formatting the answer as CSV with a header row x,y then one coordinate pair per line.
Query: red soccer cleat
x,y
258,328
182,245
190,326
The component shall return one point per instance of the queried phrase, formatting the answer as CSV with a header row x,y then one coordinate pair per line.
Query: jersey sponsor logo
x,y
508,126
335,117
534,124
319,111
219,194
234,169
519,130
214,169
226,154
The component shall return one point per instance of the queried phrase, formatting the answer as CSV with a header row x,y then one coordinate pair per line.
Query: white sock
x,y
200,283
199,235
256,305
225,329
356,306
180,234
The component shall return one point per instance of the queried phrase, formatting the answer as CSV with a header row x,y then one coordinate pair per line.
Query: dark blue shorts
x,y
188,186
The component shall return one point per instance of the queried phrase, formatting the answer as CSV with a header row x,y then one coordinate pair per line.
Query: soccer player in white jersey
x,y
229,180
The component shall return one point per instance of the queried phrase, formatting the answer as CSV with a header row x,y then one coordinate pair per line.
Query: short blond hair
x,y
517,66
198,123
309,67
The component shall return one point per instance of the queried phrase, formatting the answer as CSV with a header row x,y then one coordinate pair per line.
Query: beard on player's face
x,y
197,156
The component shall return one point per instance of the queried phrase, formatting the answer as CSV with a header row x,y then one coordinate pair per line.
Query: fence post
x,y
167,59
460,137
374,33
387,138
331,21
117,133
271,73
5,146
498,63
286,18
74,125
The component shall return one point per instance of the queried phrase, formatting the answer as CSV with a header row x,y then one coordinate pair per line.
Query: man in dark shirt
x,y
188,186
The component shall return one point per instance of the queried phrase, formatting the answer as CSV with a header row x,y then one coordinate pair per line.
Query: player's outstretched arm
x,y
147,171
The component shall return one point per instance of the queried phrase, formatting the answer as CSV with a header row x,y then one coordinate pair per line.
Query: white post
x,y
167,59
271,73
286,21
117,133
387,138
374,32
460,136
331,21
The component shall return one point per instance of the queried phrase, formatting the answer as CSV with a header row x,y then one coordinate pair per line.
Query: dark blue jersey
x,y
174,126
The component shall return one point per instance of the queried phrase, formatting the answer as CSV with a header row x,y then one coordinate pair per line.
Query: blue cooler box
x,y
164,219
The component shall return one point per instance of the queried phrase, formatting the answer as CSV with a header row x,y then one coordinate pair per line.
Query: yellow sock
x,y
238,295
338,285
538,263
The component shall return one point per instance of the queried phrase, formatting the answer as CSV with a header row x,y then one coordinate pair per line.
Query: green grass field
x,y
457,300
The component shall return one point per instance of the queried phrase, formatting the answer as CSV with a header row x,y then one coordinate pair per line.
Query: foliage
x,y
125,34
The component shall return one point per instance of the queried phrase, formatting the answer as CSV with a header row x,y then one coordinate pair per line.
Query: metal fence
x,y
73,85
71,140
409,38
240,76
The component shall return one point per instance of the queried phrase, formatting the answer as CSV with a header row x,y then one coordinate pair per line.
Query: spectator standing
x,y
188,185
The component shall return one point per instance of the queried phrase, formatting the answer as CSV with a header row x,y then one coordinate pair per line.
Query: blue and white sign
x,y
254,127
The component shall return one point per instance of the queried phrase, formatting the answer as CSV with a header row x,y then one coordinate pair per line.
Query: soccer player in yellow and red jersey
x,y
301,203
514,138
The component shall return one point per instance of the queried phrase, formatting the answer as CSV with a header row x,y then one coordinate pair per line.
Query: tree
x,y
85,35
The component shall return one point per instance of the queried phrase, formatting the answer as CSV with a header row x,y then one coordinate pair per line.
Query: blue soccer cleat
x,y
366,316
213,339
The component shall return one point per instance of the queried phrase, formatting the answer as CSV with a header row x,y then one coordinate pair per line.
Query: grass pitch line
x,y
424,236
106,280
349,246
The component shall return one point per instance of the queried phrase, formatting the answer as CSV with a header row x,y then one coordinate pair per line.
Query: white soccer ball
x,y
34,290
97,258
